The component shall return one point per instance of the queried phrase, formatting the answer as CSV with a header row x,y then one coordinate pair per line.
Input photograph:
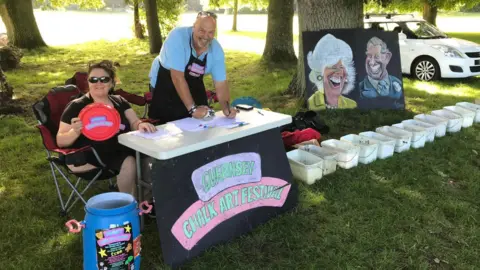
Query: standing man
x,y
176,75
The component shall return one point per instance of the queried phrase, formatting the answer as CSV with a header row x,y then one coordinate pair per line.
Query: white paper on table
x,y
160,133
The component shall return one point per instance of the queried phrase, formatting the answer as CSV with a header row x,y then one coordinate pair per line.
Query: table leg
x,y
139,185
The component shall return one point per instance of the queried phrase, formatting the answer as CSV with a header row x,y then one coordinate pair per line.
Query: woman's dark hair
x,y
106,65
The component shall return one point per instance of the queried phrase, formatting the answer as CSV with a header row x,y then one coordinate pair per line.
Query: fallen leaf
x,y
475,152
436,260
441,174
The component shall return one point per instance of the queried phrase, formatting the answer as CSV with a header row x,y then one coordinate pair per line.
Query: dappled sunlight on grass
x,y
311,198
412,194
445,88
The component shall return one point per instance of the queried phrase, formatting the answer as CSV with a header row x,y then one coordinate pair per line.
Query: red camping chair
x,y
48,111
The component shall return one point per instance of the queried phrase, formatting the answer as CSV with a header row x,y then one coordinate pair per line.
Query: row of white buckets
x,y
310,163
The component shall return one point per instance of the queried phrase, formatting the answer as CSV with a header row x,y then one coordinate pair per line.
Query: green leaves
x,y
83,4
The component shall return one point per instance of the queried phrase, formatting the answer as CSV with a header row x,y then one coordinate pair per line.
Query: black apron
x,y
166,104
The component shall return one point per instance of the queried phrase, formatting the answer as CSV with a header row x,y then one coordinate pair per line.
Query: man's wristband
x,y
192,109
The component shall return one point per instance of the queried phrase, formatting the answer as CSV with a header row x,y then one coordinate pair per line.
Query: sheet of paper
x,y
160,133
193,125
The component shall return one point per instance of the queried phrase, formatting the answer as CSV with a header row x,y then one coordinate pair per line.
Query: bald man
x,y
176,75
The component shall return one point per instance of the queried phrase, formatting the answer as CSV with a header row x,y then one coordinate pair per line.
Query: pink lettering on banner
x,y
202,217
113,239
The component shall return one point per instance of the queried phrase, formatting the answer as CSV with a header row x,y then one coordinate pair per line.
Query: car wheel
x,y
426,69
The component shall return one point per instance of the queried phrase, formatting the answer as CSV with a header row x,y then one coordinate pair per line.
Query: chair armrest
x,y
148,97
69,151
131,98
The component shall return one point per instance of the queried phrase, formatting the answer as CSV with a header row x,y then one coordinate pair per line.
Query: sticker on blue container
x,y
115,248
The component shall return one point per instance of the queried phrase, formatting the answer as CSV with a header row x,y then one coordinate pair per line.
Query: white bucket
x,y
403,139
386,145
347,153
329,157
440,123
455,121
473,107
429,128
467,115
305,166
368,148
419,134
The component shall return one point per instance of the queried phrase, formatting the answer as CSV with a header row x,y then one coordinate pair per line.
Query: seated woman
x,y
101,82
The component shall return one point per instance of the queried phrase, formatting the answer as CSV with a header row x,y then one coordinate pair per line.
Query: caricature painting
x,y
352,68
332,72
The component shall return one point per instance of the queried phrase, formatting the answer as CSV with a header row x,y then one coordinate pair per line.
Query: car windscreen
x,y
424,30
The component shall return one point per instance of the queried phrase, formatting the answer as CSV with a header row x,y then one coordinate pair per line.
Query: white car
x,y
426,52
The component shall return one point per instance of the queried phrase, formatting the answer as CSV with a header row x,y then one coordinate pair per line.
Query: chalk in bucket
x,y
305,166
111,231
419,134
467,115
386,145
368,148
403,139
473,107
347,153
429,128
455,121
440,123
329,157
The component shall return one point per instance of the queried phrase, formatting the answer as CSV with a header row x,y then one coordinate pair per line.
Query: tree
x,y
429,8
83,4
137,25
154,34
234,5
279,43
22,28
315,15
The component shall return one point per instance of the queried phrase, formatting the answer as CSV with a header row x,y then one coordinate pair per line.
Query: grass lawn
x,y
418,209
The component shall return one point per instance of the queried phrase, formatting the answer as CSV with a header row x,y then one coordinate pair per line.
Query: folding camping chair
x,y
48,111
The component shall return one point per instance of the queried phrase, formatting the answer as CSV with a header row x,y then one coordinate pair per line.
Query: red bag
x,y
298,136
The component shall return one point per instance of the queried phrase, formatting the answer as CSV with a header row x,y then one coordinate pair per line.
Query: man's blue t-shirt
x,y
176,51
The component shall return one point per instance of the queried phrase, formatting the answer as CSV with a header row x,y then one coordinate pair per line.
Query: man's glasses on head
x,y
207,14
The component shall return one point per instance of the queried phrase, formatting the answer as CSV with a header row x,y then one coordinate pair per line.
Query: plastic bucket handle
x,y
143,210
71,228
373,151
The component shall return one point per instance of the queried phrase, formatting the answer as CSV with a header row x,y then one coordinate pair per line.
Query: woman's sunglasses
x,y
103,79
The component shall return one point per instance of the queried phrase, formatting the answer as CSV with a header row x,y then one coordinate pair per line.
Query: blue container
x,y
111,232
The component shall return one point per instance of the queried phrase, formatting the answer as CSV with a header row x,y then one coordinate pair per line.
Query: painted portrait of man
x,y
378,84
332,73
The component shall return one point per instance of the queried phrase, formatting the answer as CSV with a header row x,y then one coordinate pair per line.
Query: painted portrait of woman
x,y
332,73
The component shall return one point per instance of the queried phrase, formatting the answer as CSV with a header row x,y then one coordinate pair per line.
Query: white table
x,y
187,142
178,158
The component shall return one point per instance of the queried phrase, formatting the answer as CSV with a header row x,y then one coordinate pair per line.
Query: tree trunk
x,y
22,29
154,34
315,15
430,12
136,21
279,43
235,12
6,91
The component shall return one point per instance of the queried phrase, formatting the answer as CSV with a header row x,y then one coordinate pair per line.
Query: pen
x,y
260,113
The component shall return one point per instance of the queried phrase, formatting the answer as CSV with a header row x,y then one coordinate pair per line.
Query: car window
x,y
424,30
394,27
376,26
